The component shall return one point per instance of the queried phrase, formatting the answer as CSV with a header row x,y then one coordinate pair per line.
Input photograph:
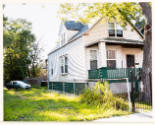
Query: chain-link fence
x,y
66,87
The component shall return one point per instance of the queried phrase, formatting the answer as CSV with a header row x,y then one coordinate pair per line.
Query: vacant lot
x,y
43,105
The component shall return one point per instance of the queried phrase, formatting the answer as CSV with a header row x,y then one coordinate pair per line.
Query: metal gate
x,y
139,103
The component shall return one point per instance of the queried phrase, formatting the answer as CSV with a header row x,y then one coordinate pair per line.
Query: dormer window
x,y
115,30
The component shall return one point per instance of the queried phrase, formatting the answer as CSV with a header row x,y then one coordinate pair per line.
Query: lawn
x,y
43,105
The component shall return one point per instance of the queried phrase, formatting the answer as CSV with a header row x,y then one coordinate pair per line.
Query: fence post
x,y
129,97
74,87
104,72
132,91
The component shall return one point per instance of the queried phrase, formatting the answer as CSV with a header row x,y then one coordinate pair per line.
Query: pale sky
x,y
44,19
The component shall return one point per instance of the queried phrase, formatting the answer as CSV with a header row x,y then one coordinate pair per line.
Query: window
x,y
119,30
52,69
115,29
111,29
111,59
93,59
64,64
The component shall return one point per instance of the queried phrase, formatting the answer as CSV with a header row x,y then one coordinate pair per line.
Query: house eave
x,y
72,40
118,41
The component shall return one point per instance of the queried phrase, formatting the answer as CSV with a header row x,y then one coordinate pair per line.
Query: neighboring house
x,y
81,51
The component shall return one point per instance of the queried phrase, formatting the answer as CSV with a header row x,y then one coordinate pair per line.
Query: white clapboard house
x,y
85,55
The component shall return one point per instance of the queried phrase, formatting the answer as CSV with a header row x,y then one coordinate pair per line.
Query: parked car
x,y
18,84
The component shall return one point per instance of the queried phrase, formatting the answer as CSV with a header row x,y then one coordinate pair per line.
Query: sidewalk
x,y
136,117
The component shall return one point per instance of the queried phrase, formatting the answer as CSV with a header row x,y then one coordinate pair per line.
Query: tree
x,y
147,63
35,66
122,13
18,41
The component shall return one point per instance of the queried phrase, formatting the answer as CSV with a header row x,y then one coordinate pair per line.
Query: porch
x,y
114,54
117,78
113,74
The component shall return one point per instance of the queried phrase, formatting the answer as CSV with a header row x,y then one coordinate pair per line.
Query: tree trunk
x,y
147,58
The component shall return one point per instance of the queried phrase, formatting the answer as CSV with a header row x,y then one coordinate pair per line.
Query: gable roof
x,y
83,28
72,26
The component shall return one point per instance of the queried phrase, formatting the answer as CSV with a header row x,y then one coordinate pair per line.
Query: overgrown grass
x,y
101,96
43,105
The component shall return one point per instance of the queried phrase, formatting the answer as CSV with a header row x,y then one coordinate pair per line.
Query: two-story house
x,y
84,55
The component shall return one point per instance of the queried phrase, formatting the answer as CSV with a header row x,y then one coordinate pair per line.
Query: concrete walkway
x,y
136,117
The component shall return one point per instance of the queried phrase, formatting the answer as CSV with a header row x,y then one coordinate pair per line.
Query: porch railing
x,y
107,73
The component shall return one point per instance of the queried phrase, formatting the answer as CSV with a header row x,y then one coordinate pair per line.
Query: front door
x,y
130,61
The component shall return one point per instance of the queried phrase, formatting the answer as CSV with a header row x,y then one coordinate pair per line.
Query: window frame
x,y
115,29
52,69
117,24
114,59
63,65
90,59
111,29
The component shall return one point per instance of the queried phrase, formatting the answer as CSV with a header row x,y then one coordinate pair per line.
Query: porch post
x,y
102,55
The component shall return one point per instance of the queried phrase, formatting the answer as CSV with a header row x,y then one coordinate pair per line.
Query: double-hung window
x,y
119,30
93,59
115,30
64,64
111,59
52,69
111,29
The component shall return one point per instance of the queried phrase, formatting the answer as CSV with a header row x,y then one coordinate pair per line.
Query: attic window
x,y
119,30
111,29
115,30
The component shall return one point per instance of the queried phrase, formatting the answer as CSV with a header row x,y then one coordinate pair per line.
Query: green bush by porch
x,y
101,96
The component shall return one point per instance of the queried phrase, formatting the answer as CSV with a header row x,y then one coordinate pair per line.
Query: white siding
x,y
100,31
137,52
122,52
78,55
76,63
129,33
70,33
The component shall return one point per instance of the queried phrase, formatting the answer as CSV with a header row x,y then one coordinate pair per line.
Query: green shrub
x,y
101,96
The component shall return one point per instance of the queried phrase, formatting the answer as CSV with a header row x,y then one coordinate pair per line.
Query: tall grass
x,y
101,96
43,105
